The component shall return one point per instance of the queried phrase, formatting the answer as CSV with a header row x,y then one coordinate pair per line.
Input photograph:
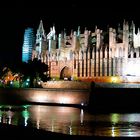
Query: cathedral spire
x,y
119,28
78,31
64,33
53,30
96,27
41,30
138,31
132,27
124,23
71,33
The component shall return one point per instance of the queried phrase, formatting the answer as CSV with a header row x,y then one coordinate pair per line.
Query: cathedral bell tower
x,y
40,38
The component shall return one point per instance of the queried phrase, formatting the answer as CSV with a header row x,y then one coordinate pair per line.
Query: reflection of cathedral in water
x,y
5,117
58,119
86,54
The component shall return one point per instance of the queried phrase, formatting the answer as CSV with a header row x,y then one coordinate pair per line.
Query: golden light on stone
x,y
86,56
39,98
64,100
57,96
114,79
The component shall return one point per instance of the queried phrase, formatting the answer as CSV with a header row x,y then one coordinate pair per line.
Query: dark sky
x,y
15,16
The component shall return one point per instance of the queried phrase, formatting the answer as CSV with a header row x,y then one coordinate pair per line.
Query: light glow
x,y
113,133
82,116
114,79
115,118
64,100
40,98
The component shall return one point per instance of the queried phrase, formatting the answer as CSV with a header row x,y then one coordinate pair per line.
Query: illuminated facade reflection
x,y
72,121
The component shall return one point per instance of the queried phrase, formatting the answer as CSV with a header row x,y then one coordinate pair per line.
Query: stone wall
x,y
67,85
44,96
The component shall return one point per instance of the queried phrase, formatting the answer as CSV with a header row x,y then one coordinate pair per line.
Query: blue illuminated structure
x,y
27,45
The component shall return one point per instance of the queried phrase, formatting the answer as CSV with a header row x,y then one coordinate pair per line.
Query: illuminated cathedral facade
x,y
94,55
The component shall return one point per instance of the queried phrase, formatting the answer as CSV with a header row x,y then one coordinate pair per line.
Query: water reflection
x,y
6,116
82,116
72,121
25,114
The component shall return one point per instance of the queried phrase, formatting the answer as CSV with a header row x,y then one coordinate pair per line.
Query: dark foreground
x,y
115,100
20,132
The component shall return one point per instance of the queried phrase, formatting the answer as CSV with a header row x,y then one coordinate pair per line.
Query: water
x,y
72,121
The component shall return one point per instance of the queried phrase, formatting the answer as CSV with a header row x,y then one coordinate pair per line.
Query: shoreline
x,y
97,99
22,132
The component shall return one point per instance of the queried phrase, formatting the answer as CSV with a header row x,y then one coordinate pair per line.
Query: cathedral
x,y
102,56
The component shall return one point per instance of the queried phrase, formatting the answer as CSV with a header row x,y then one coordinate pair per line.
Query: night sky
x,y
16,16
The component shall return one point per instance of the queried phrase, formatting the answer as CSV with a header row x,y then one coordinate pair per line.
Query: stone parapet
x,y
67,85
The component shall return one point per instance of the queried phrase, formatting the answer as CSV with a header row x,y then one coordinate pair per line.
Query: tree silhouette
x,y
34,70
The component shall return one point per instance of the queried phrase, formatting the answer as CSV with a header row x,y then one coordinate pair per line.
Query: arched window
x,y
134,55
